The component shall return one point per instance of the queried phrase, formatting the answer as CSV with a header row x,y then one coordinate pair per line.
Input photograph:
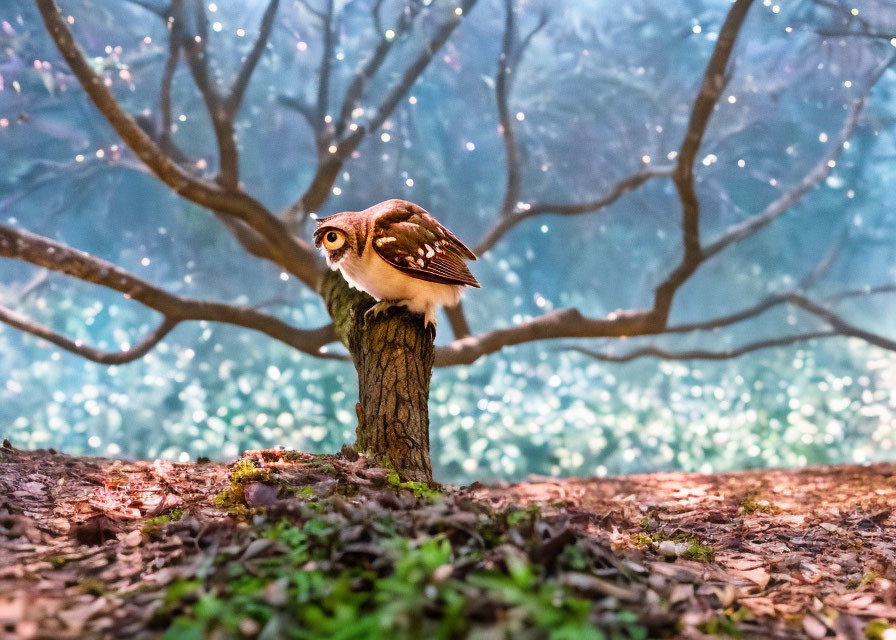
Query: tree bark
x,y
393,355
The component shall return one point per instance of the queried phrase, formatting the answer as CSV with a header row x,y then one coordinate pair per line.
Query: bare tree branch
x,y
860,293
195,46
491,237
310,9
562,323
812,179
840,325
39,280
710,90
704,354
459,326
298,105
326,60
238,89
502,80
13,319
329,167
370,66
166,117
826,262
43,252
293,254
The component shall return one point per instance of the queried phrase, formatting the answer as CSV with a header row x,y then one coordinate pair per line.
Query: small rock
x,y
442,573
95,531
349,454
259,494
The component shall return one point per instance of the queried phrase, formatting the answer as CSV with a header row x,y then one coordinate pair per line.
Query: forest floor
x,y
282,544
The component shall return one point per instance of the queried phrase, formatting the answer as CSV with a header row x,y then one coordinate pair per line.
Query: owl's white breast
x,y
372,274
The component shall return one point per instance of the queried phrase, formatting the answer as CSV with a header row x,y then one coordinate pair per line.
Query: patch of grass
x,y
417,588
151,526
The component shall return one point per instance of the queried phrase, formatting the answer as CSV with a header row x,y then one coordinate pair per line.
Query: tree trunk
x,y
393,355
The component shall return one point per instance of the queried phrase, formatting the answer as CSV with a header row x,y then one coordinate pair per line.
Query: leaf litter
x,y
282,544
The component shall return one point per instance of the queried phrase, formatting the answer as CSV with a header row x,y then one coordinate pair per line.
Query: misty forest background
x,y
602,90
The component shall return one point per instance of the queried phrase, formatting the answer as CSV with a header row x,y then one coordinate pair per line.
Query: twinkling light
x,y
217,26
470,146
413,99
822,137
696,28
409,182
385,137
332,148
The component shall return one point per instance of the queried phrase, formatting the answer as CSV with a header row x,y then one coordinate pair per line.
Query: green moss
x,y
57,561
868,578
247,470
726,624
419,489
762,506
93,586
151,526
876,628
231,500
696,550
243,472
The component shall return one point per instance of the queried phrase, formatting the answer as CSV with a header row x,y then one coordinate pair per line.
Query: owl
x,y
399,254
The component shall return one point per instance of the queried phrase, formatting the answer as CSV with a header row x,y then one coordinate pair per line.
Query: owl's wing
x,y
414,242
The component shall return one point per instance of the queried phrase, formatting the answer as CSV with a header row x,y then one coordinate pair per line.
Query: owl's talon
x,y
380,308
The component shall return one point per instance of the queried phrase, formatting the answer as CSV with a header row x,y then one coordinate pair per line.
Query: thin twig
x,y
704,354
501,226
238,89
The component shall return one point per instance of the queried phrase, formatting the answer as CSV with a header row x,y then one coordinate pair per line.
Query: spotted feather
x,y
414,242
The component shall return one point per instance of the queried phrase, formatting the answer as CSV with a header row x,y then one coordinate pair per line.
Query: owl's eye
x,y
334,240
